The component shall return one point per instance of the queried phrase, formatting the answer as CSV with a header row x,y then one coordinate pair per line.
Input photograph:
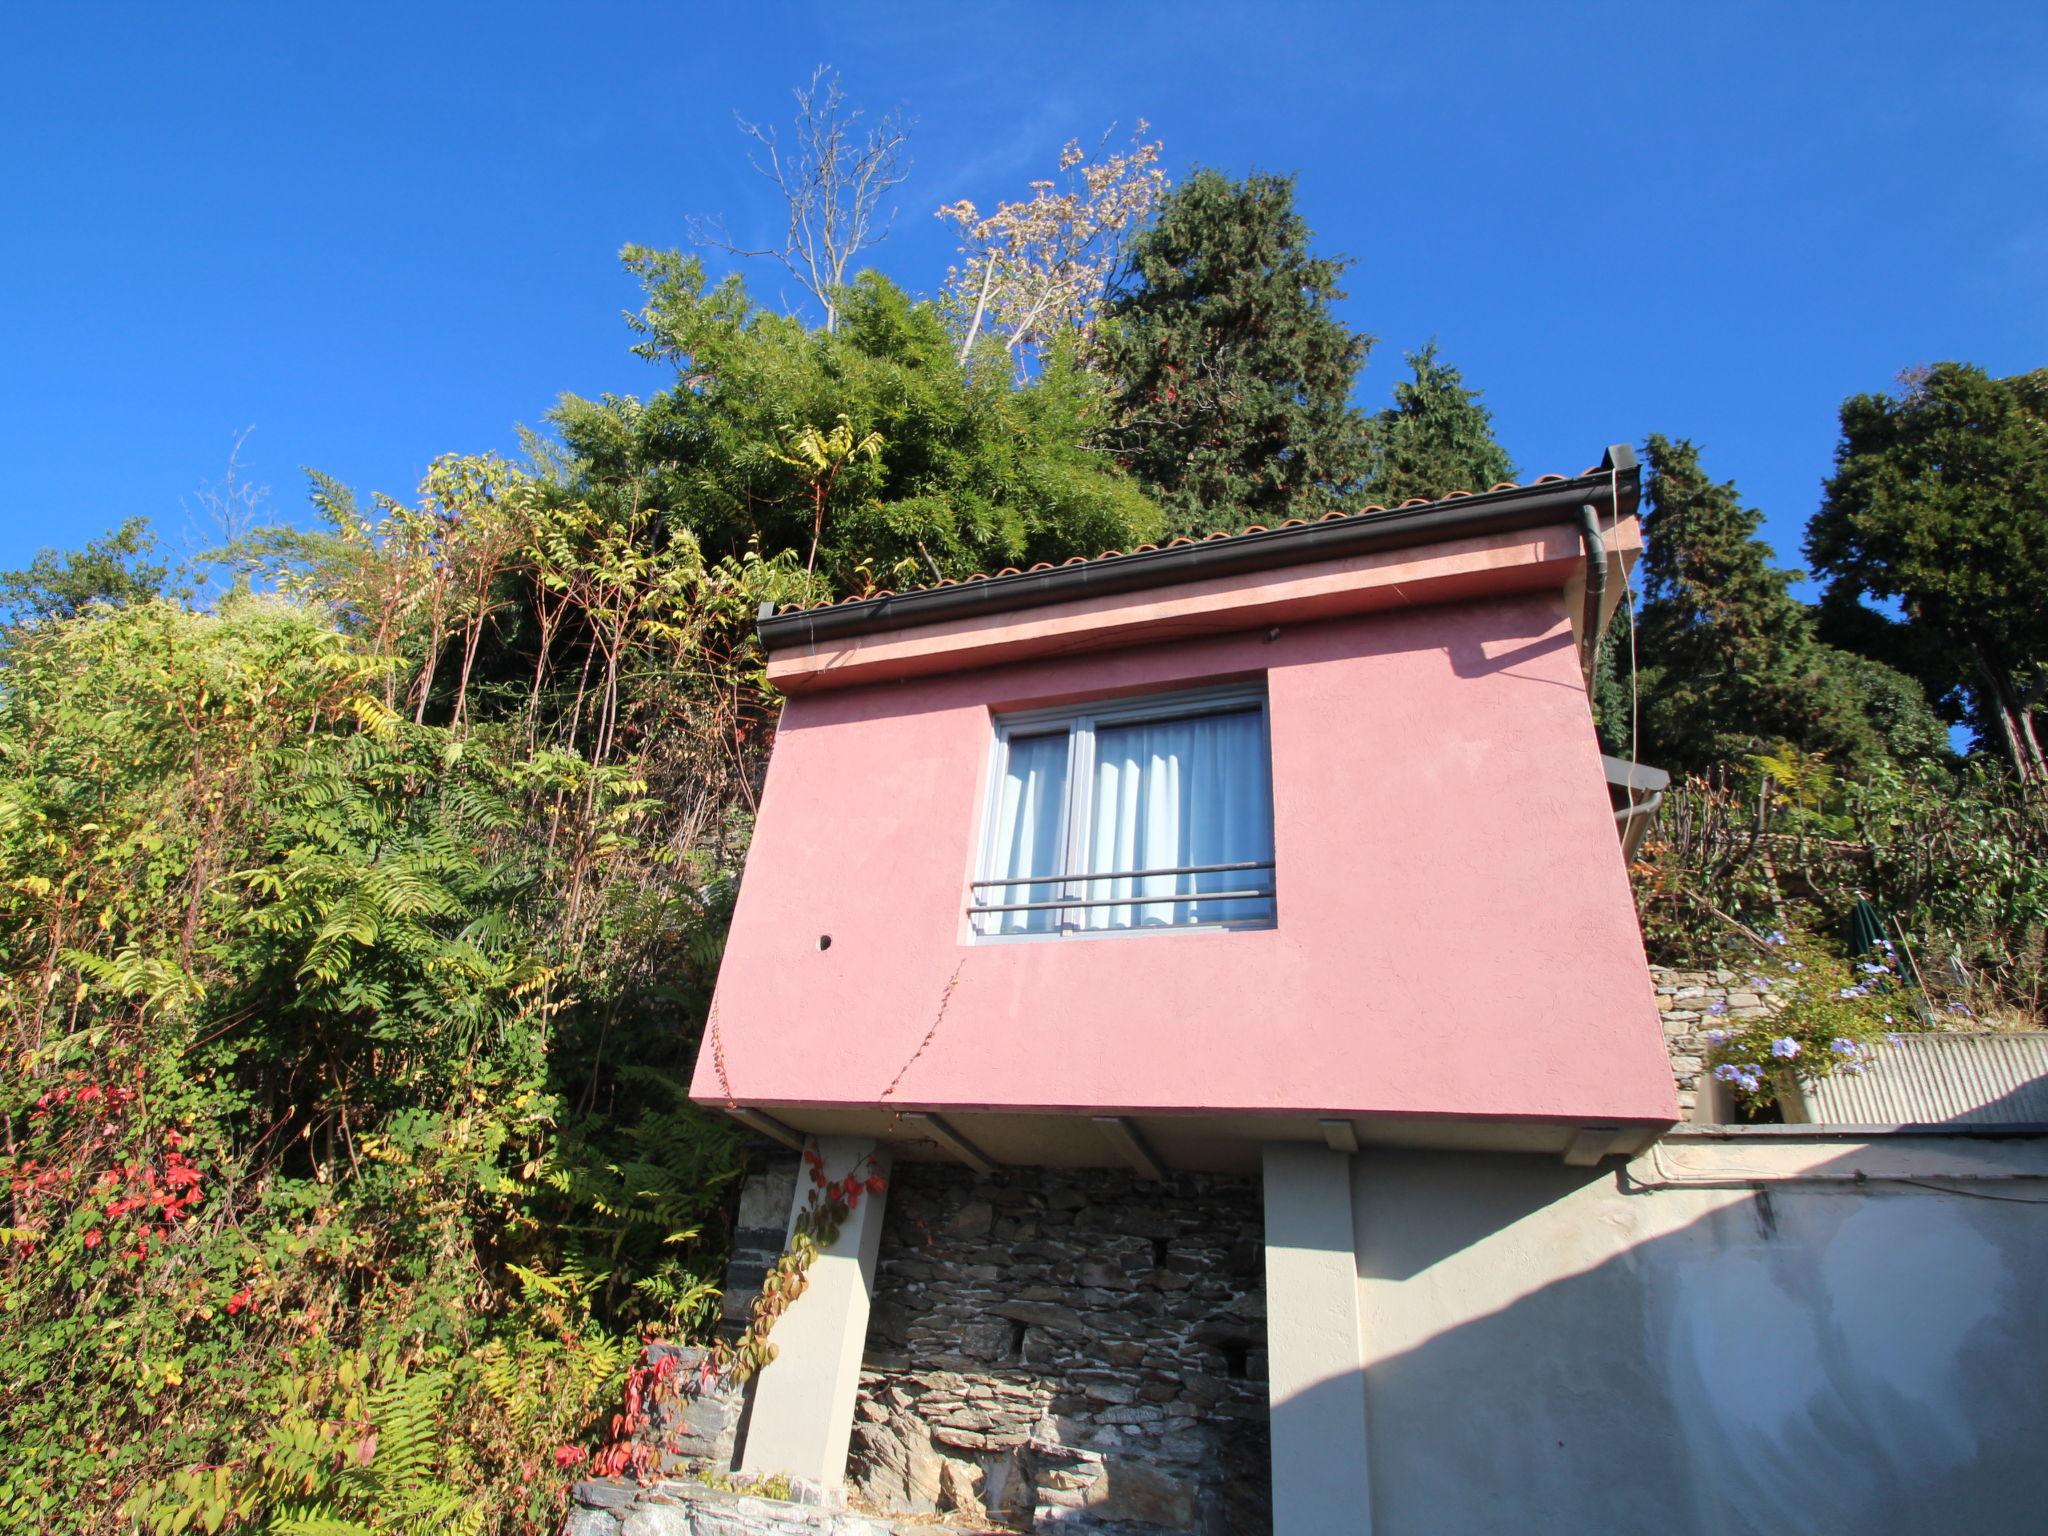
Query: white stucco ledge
x,y
1740,1156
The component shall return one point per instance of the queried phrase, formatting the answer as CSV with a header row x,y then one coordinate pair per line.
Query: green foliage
x,y
1435,438
1827,1013
354,943
1939,503
948,468
1730,660
113,568
1958,861
1231,375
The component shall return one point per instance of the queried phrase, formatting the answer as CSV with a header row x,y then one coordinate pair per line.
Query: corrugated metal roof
x,y
1959,1079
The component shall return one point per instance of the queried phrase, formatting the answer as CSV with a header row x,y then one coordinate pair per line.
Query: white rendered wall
x,y
802,1414
1313,1347
1726,1337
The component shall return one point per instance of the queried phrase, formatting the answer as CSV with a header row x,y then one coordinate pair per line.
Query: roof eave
x,y
1613,490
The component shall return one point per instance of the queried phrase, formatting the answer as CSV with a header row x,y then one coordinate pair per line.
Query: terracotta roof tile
x,y
1184,540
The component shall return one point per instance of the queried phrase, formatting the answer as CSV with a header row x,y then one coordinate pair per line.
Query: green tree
x,y
971,470
1731,663
114,568
1435,438
1939,503
1231,375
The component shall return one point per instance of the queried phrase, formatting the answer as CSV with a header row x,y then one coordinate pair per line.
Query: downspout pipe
x,y
1596,591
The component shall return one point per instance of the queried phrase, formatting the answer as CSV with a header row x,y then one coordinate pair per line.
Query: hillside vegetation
x,y
362,889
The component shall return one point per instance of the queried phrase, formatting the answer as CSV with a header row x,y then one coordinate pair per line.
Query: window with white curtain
x,y
1130,815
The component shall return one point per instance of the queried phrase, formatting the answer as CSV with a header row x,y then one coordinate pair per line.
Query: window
x,y
1134,814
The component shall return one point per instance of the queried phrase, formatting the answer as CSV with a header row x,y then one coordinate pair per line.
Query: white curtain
x,y
1028,822
1171,793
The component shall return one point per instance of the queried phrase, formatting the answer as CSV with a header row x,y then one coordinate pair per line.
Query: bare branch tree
x,y
231,503
1032,269
833,177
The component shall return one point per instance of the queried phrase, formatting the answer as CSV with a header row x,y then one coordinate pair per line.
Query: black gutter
x,y
1612,490
1596,590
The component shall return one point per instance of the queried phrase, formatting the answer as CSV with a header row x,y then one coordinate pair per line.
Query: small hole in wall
x,y
1017,1341
1158,1253
1236,1358
824,941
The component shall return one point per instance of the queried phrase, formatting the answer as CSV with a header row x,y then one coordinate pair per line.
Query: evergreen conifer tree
x,y
1230,375
1731,663
1436,437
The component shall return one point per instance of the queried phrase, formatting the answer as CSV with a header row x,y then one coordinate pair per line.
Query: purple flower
x,y
1874,970
1784,1048
1717,1037
1890,1039
1794,965
1718,1006
1854,1068
1959,1008
1842,1045
1774,937
1885,945
1760,983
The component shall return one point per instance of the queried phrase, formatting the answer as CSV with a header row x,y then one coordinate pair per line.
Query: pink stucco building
x,y
1232,856
1386,712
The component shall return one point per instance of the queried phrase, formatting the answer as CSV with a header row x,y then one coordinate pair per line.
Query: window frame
x,y
1080,722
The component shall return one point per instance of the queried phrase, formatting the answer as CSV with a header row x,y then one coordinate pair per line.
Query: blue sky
x,y
380,233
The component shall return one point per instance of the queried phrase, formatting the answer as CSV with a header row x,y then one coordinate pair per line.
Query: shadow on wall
x,y
1486,635
1716,1339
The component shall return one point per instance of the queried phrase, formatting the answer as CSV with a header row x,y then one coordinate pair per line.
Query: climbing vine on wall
x,y
828,1205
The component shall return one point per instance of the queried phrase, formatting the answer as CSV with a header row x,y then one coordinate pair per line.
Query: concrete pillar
x,y
1315,1346
802,1416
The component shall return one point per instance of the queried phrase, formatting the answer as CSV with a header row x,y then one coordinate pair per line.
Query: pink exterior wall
x,y
1456,935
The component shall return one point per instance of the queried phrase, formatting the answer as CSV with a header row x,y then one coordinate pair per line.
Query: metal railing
x,y
1083,880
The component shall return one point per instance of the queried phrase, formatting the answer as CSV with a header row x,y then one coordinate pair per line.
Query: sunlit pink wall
x,y
1455,936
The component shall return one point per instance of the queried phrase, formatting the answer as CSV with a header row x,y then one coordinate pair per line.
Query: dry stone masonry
x,y
1068,1350
1691,1003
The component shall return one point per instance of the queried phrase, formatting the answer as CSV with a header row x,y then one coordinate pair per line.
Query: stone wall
x,y
681,1507
1068,1350
1691,1003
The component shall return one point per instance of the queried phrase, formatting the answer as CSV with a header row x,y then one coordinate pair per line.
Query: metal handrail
x,y
1121,901
1122,874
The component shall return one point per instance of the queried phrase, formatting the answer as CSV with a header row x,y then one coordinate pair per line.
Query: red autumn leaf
x,y
567,1456
92,1238
876,1183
